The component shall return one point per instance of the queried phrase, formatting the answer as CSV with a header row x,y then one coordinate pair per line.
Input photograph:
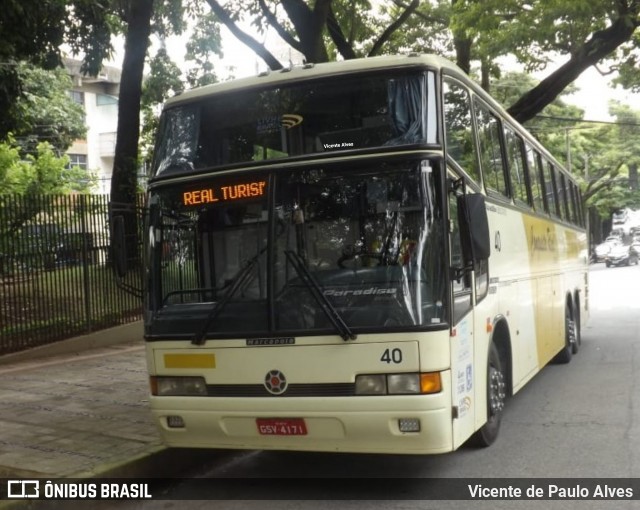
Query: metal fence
x,y
56,276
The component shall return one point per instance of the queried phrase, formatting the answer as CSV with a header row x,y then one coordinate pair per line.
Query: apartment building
x,y
98,95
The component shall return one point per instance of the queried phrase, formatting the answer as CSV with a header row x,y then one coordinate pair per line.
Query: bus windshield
x,y
324,116
271,252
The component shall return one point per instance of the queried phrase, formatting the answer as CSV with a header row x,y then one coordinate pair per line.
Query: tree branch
x,y
309,25
422,15
601,44
377,46
273,21
245,38
606,178
345,49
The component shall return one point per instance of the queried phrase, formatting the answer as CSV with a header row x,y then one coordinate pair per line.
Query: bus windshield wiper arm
x,y
236,283
334,316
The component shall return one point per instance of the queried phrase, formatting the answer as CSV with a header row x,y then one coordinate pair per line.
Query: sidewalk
x,y
80,409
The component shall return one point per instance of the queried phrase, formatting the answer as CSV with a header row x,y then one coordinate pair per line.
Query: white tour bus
x,y
358,256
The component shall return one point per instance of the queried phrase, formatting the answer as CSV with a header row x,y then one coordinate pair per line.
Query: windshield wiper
x,y
334,316
236,282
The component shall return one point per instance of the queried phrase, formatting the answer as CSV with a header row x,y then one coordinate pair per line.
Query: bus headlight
x,y
399,384
178,386
371,385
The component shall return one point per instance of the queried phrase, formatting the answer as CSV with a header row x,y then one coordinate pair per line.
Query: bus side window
x,y
575,204
533,161
515,159
458,128
462,287
482,280
489,141
556,189
564,199
549,189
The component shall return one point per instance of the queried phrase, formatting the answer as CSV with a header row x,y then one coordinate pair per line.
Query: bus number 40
x,y
392,356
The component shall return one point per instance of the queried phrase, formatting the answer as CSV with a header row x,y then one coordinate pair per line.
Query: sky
x,y
595,92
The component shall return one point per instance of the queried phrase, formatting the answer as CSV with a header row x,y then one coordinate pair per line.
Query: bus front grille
x,y
293,390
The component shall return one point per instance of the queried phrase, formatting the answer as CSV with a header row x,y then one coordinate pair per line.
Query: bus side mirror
x,y
119,246
474,228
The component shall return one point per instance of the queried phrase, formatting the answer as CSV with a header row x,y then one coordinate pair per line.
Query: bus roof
x,y
306,71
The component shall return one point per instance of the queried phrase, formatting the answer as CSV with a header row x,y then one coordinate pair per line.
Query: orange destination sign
x,y
224,193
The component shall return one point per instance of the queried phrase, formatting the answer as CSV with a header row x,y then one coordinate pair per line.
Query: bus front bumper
x,y
339,424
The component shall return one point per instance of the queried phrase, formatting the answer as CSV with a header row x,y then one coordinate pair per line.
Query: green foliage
x,y
42,172
45,111
204,43
532,30
427,31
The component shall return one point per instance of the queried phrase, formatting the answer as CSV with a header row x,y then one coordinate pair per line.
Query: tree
x,y
31,30
44,111
42,172
582,33
312,30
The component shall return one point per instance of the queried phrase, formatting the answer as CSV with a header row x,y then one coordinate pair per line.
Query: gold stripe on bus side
x,y
548,248
190,361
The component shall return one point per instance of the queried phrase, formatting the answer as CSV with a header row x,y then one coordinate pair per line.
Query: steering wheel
x,y
350,252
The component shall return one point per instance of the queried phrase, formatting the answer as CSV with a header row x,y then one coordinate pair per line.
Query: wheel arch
x,y
501,338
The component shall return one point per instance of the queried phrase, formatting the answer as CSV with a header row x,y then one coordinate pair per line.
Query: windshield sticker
x,y
224,193
339,145
273,123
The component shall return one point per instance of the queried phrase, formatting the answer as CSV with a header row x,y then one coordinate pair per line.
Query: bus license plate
x,y
281,426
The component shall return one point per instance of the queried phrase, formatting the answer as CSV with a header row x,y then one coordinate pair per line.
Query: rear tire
x,y
496,396
564,356
578,335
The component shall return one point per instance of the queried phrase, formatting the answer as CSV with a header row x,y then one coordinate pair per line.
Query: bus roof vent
x,y
264,73
308,65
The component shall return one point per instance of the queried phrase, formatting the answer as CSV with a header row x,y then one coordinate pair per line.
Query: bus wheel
x,y
576,332
496,396
570,339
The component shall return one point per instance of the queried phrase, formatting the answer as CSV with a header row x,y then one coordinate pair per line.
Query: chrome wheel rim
x,y
496,391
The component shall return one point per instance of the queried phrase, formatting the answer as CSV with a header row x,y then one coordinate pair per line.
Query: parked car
x,y
635,244
602,250
621,255
620,217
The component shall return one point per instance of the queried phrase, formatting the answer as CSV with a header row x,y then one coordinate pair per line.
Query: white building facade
x,y
99,98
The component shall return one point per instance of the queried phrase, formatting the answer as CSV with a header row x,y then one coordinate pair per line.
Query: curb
x,y
162,462
125,333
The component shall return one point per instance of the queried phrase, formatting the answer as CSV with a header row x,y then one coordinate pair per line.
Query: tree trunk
x,y
462,44
125,164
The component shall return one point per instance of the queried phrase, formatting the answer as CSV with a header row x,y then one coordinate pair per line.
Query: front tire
x,y
496,396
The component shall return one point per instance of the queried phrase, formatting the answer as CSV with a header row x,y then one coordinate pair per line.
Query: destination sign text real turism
x,y
224,193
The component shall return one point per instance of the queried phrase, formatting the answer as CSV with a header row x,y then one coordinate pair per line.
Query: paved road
x,y
579,420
